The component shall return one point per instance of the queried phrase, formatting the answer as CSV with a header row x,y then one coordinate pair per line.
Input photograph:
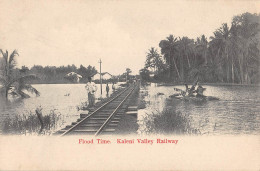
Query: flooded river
x,y
237,111
62,98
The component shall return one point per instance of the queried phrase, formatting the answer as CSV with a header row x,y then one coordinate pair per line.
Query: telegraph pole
x,y
100,76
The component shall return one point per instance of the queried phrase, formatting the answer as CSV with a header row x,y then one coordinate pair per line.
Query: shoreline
x,y
213,84
173,84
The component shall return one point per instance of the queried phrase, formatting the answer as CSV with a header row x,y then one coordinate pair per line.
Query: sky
x,y
55,32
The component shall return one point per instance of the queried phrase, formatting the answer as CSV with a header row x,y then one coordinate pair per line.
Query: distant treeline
x,y
232,55
56,75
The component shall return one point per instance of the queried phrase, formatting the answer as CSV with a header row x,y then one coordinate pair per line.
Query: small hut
x,y
74,77
104,75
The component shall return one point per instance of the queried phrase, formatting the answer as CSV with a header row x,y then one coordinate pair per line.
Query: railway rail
x,y
102,120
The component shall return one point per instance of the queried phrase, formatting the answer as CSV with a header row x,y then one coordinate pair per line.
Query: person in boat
x,y
200,91
91,89
187,90
184,93
190,91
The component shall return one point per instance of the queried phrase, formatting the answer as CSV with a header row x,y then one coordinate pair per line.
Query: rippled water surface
x,y
237,111
52,98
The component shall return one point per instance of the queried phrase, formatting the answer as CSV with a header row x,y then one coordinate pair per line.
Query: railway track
x,y
102,120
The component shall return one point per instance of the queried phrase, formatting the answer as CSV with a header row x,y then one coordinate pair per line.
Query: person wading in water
x,y
91,89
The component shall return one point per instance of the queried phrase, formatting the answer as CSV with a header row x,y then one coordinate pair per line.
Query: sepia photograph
x,y
129,85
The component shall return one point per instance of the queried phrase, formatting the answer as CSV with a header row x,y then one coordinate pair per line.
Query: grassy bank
x,y
213,84
32,123
167,122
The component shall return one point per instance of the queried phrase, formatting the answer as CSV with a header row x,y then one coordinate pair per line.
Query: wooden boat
x,y
193,98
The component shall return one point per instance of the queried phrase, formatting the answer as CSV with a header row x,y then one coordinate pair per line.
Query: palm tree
x,y
246,28
12,81
202,44
186,51
187,47
127,72
222,42
169,49
153,60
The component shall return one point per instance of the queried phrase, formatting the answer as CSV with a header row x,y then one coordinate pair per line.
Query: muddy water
x,y
61,98
237,111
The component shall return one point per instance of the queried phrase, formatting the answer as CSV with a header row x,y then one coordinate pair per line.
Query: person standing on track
x,y
107,89
91,89
113,87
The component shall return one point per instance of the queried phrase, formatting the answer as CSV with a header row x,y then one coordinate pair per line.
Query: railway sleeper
x,y
105,113
106,110
108,131
60,131
92,130
83,115
104,116
91,125
78,120
116,118
98,121
74,123
68,126
96,125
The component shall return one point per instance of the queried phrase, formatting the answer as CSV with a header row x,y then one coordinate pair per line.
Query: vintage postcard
x,y
129,85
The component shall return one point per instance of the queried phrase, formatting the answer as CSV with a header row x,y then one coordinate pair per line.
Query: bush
x,y
30,124
168,122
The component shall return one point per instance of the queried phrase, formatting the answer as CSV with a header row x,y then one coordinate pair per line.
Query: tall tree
x,y
186,50
247,27
154,60
202,45
221,41
11,80
169,48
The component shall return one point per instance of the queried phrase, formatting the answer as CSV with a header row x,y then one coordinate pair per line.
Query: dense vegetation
x,y
31,124
53,74
232,55
15,80
11,80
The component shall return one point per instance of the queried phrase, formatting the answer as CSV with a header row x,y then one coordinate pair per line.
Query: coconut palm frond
x,y
14,93
25,78
8,76
23,95
30,89
1,51
20,86
12,61
2,80
5,56
2,90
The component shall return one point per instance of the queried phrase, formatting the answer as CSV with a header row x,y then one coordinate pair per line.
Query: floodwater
x,y
62,98
237,111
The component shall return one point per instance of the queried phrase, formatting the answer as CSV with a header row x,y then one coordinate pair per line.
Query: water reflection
x,y
237,111
62,98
